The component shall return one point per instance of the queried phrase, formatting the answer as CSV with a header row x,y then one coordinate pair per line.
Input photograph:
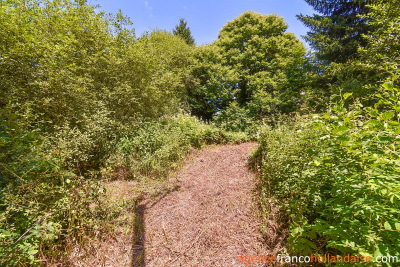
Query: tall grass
x,y
157,146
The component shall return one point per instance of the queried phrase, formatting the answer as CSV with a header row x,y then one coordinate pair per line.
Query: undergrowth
x,y
335,178
156,147
53,195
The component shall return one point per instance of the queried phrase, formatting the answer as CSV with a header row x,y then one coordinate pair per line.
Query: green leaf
x,y
342,128
326,116
388,86
347,95
32,251
397,107
374,122
343,138
387,115
373,112
387,226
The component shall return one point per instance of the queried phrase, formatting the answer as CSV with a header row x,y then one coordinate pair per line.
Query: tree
x,y
339,31
215,82
382,53
268,61
183,31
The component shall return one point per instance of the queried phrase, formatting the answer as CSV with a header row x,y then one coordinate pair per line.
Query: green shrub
x,y
284,153
337,178
158,146
238,119
50,191
41,203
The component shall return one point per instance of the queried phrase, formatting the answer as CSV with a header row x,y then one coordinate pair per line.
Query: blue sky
x,y
205,17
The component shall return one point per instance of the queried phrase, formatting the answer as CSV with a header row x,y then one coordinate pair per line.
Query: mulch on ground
x,y
209,219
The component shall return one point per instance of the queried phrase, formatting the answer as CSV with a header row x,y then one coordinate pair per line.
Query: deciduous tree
x,y
268,60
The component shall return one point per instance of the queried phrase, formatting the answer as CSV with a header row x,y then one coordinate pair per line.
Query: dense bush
x,y
157,146
336,178
86,79
70,62
215,87
83,99
40,201
353,71
45,199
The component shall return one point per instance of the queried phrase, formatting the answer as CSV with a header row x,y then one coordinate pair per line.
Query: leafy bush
x,y
337,178
40,202
215,82
158,146
50,191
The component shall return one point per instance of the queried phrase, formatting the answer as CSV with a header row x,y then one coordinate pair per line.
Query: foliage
x,y
40,202
83,99
234,118
381,56
335,177
338,181
215,87
239,120
254,63
183,31
86,79
41,195
163,88
267,60
374,57
67,61
337,33
74,83
158,146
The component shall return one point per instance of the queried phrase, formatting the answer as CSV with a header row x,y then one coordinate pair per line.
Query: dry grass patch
x,y
113,244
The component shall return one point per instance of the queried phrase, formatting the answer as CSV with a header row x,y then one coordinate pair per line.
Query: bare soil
x,y
208,219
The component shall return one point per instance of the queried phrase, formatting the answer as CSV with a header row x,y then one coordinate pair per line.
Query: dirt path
x,y
207,220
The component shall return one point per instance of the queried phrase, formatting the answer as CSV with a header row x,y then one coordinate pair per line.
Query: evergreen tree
x,y
382,54
339,31
183,31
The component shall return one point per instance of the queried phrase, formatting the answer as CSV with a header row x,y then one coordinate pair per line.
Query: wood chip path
x,y
209,219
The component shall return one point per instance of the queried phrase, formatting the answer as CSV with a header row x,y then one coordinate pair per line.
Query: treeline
x,y
331,179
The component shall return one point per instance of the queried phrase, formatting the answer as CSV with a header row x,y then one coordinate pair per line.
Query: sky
x,y
205,17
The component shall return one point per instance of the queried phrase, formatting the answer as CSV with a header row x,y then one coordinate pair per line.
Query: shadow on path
x,y
138,248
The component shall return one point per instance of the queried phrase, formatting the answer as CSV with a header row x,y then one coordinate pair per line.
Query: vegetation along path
x,y
208,220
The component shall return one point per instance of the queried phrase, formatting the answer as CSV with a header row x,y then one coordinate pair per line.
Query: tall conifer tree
x,y
337,31
184,32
